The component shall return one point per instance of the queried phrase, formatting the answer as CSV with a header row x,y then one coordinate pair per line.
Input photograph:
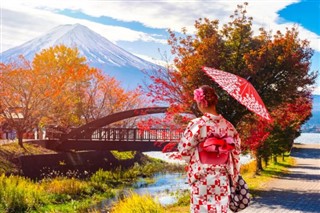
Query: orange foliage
x,y
59,88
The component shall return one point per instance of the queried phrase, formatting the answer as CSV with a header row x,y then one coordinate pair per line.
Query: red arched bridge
x,y
95,136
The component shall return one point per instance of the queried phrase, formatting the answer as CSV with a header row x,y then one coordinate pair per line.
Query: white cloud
x,y
316,91
22,21
36,17
153,60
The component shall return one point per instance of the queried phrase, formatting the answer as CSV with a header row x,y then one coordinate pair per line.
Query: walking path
x,y
295,192
4,141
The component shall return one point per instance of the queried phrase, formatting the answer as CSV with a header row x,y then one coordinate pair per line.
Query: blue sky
x,y
307,14
140,27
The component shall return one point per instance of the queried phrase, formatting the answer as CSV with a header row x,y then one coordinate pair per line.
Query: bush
x,y
135,203
123,155
18,194
72,187
249,168
116,177
103,179
183,198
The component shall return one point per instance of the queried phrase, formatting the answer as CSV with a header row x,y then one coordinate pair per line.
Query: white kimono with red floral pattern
x,y
209,183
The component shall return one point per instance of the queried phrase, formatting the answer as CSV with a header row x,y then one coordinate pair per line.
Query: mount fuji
x,y
99,52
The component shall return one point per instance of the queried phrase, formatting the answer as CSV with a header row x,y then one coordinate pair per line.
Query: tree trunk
x,y
266,161
20,139
283,159
275,161
259,164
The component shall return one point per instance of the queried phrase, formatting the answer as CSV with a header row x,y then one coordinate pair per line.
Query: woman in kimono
x,y
209,179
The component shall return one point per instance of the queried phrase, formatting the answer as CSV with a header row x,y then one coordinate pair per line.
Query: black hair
x,y
210,95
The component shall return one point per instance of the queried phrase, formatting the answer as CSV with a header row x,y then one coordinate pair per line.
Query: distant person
x,y
210,146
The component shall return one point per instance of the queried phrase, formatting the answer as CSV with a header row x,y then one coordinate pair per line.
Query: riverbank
x,y
60,193
255,182
137,202
10,152
70,193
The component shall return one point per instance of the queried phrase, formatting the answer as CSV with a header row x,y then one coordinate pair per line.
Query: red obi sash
x,y
215,150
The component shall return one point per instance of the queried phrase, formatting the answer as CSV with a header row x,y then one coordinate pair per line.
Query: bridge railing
x,y
135,134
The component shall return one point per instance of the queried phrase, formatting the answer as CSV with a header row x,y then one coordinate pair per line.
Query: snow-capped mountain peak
x,y
98,50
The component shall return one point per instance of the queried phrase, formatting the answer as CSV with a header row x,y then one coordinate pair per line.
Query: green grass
x,y
18,194
65,194
9,154
81,205
135,203
123,155
62,194
273,170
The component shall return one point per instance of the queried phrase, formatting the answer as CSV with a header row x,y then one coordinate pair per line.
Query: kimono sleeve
x,y
189,141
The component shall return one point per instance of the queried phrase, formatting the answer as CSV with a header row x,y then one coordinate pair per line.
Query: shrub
x,y
102,179
18,194
183,198
123,155
135,203
249,168
72,187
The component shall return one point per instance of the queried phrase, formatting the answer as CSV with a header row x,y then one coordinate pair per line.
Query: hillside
x,y
98,50
313,124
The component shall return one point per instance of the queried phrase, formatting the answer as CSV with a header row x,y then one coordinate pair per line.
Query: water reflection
x,y
244,158
164,188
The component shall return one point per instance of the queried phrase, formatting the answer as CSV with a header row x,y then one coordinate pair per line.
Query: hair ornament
x,y
199,97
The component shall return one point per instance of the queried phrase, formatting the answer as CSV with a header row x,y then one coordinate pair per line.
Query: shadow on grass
x,y
294,175
271,172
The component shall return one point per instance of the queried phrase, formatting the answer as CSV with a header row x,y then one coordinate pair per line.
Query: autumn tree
x,y
58,88
105,96
273,139
277,65
67,74
254,133
81,93
46,90
289,118
23,102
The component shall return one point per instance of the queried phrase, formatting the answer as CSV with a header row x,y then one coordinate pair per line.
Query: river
x,y
308,138
164,156
162,189
165,185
